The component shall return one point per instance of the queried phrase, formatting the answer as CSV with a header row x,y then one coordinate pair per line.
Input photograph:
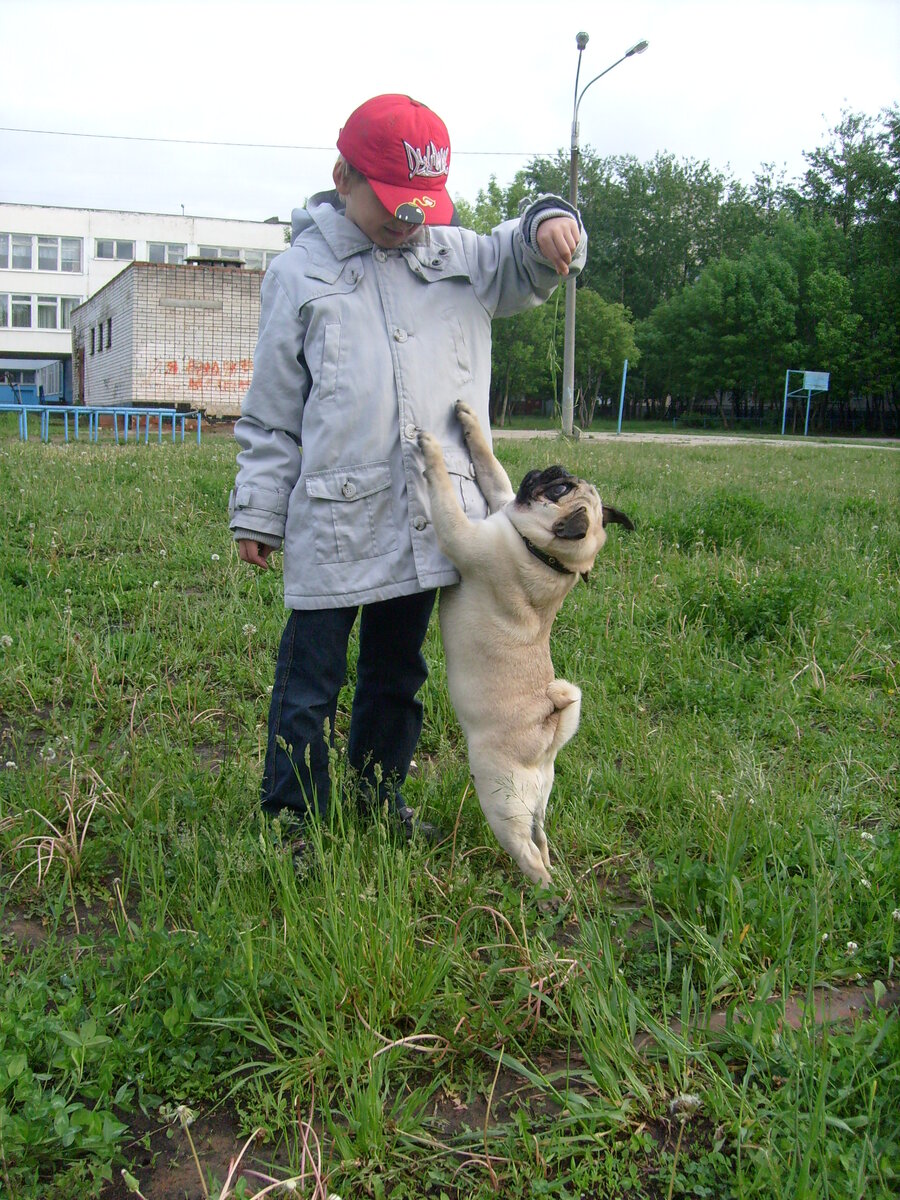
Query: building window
x,y
100,338
109,333
112,248
53,312
70,255
93,338
53,253
229,253
66,306
48,312
48,254
166,252
21,252
21,312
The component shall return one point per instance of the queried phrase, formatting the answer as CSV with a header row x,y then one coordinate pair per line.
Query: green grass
x,y
724,827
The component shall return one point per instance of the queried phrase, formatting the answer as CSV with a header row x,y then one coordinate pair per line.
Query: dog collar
x,y
547,559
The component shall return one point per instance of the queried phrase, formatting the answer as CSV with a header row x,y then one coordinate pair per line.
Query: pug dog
x,y
516,568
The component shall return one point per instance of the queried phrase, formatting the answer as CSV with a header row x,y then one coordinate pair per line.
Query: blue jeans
x,y
386,718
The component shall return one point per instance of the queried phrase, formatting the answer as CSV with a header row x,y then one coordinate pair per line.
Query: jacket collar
x,y
344,239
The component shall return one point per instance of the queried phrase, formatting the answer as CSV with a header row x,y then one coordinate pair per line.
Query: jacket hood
x,y
300,221
325,212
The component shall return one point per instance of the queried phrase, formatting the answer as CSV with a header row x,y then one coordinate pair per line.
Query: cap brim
x,y
435,207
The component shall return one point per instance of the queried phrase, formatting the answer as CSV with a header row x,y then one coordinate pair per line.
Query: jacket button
x,y
400,335
410,432
348,490
419,523
380,256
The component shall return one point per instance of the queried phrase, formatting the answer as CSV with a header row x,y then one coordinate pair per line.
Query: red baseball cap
x,y
403,150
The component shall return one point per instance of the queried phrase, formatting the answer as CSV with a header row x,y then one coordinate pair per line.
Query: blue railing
x,y
81,415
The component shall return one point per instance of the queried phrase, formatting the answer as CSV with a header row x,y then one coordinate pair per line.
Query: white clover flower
x,y
10,765
866,883
825,937
852,947
684,1106
6,641
865,836
162,553
214,557
895,914
156,583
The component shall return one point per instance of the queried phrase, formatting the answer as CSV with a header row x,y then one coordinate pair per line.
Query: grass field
x,y
406,1022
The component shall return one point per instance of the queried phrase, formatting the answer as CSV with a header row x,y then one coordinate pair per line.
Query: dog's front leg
x,y
489,474
455,532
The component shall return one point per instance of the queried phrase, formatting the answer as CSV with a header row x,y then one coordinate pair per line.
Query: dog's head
x,y
563,517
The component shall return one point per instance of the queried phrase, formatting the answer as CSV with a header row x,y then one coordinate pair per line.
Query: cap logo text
x,y
430,163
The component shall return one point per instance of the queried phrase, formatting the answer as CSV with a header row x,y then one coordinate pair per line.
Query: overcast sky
x,y
734,82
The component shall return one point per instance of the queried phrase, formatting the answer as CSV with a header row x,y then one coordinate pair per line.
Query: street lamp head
x,y
639,48
581,40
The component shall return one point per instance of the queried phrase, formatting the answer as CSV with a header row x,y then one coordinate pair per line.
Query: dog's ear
x,y
612,516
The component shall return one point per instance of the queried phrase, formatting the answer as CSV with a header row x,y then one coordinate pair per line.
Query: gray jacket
x,y
358,349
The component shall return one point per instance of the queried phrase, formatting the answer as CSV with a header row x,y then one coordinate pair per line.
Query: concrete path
x,y
704,439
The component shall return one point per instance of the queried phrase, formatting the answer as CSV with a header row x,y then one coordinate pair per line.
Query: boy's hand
x,y
256,553
557,239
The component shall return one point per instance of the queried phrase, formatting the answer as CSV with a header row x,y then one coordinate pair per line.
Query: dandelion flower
x,y
6,641
249,630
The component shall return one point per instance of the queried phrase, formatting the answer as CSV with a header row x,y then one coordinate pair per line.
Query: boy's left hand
x,y
557,239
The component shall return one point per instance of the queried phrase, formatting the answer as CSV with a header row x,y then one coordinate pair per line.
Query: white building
x,y
53,259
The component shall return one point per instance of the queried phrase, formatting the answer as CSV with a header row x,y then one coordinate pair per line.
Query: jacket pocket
x,y
351,511
461,470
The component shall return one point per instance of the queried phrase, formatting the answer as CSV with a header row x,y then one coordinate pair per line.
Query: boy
x,y
373,323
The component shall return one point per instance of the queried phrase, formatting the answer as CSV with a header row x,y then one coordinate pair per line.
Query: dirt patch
x,y
161,1159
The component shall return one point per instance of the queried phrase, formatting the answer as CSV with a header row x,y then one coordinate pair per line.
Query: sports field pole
x,y
622,395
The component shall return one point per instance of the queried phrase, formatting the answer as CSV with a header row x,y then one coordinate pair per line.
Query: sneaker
x,y
412,827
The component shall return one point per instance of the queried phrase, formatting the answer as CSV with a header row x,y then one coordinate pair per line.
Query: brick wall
x,y
187,337
195,331
105,323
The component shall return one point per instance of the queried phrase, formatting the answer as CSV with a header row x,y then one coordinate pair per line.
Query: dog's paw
x,y
430,447
561,693
466,416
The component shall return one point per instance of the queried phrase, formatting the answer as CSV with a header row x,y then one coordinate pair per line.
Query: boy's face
x,y
367,213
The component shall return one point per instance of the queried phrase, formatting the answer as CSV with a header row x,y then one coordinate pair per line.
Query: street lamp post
x,y
568,397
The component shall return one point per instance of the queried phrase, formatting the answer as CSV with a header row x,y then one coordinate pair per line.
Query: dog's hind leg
x,y
489,474
510,805
566,700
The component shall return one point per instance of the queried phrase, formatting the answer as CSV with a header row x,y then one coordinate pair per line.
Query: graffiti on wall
x,y
207,375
